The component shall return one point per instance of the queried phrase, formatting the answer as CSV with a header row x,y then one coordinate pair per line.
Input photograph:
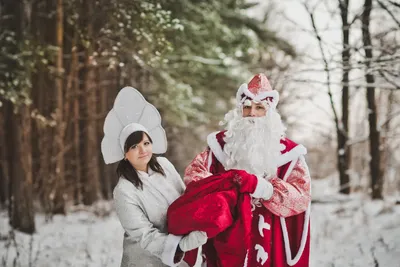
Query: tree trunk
x,y
4,174
59,186
42,135
19,151
91,190
386,154
103,109
4,186
76,126
374,135
18,125
343,133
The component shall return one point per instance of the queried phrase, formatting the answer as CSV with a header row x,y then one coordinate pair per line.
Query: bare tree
x,y
374,134
341,125
353,58
343,133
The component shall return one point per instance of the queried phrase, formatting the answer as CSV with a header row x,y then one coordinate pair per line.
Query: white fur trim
x,y
292,261
215,147
183,264
209,160
243,89
292,155
170,246
247,103
282,147
246,259
199,257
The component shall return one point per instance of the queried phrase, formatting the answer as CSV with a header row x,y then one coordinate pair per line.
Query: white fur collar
x,y
212,142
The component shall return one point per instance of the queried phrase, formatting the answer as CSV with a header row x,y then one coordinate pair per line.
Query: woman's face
x,y
140,154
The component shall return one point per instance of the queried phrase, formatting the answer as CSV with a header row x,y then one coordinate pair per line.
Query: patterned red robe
x,y
280,230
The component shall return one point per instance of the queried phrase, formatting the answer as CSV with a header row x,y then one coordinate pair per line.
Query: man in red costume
x,y
254,141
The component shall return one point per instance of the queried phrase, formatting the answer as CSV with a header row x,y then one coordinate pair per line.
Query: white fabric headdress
x,y
131,113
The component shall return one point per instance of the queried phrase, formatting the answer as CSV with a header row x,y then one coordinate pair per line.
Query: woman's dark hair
x,y
126,169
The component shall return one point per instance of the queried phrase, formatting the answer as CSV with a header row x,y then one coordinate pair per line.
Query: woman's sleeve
x,y
141,230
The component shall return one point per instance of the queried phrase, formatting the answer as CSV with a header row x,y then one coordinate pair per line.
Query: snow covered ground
x,y
356,233
353,230
345,232
78,239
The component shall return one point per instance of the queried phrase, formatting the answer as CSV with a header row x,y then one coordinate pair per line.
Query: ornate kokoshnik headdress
x,y
131,113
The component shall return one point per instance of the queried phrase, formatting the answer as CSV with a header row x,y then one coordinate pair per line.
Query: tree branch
x,y
383,74
394,3
326,64
389,12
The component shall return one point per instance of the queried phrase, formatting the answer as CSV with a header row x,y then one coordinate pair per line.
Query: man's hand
x,y
193,240
264,189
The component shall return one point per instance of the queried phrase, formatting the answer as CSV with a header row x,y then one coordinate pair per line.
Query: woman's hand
x,y
193,240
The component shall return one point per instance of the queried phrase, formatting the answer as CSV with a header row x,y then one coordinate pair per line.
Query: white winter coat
x,y
142,214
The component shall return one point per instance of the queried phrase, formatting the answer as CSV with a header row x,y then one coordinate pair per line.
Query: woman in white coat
x,y
147,184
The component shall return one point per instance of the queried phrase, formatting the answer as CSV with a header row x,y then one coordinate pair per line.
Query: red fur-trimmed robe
x,y
279,232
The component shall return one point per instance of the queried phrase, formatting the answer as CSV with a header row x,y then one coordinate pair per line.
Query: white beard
x,y
253,144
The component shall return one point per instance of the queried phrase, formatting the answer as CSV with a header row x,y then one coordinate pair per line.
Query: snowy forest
x,y
335,64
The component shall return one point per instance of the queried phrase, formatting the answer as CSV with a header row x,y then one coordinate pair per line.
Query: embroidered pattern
x,y
255,202
262,225
237,179
297,187
262,255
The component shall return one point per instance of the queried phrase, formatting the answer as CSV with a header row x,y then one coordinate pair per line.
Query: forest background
x,y
336,65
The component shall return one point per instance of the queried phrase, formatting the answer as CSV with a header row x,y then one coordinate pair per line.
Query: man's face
x,y
254,110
